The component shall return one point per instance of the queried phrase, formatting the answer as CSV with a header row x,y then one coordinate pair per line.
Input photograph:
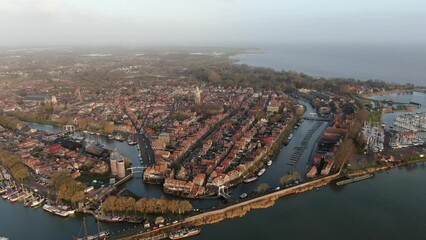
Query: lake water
x,y
388,206
391,63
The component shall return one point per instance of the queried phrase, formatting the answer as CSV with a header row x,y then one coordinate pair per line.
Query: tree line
x,y
129,205
15,164
269,79
67,188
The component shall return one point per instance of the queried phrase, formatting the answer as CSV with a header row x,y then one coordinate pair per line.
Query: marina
x,y
414,122
374,136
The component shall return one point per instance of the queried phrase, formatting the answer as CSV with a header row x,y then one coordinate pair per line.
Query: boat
x,y
17,197
261,172
66,209
61,213
106,218
48,208
250,179
131,142
3,190
184,233
286,142
269,163
37,203
9,193
244,195
54,210
28,201
99,236
118,137
290,136
135,220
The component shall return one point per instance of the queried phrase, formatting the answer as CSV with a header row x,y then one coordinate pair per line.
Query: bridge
x,y
136,169
223,192
108,190
69,128
321,119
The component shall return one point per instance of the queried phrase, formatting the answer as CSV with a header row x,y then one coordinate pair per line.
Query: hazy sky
x,y
209,22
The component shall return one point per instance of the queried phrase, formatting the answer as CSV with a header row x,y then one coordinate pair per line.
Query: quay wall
x,y
239,209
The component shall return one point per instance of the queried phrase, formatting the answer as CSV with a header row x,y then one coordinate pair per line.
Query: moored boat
x,y
54,210
106,218
3,190
17,197
9,193
244,195
37,202
101,235
136,220
269,163
184,233
118,137
261,172
250,179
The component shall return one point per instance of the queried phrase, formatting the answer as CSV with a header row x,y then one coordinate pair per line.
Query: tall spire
x,y
197,95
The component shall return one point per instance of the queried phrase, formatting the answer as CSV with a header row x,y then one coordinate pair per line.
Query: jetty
x,y
355,179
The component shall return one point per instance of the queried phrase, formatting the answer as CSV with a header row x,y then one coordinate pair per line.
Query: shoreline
x,y
238,209
389,92
265,201
370,170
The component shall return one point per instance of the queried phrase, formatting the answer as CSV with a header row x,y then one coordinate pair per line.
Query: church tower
x,y
197,94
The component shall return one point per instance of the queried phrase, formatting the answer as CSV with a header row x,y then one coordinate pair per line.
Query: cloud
x,y
207,22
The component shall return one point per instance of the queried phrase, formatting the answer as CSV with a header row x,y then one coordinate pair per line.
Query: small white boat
x,y
261,172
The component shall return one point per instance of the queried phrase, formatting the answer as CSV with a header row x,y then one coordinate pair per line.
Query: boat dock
x,y
355,179
294,159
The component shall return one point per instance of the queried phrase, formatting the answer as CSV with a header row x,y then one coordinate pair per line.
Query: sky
x,y
209,22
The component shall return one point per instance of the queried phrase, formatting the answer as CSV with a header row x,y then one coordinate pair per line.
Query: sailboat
x,y
101,235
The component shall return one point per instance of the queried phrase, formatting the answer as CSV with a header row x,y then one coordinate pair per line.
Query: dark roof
x,y
67,143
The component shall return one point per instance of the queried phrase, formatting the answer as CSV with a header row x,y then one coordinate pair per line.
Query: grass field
x,y
374,116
